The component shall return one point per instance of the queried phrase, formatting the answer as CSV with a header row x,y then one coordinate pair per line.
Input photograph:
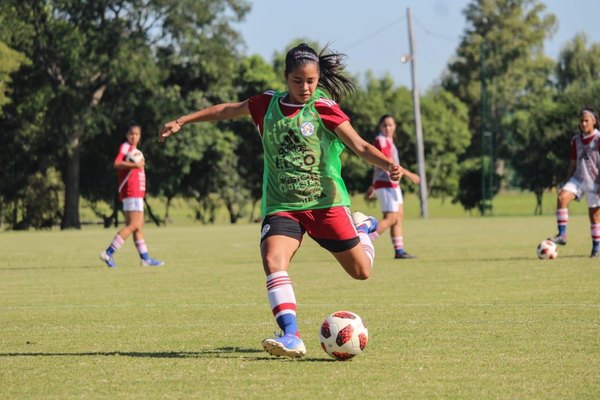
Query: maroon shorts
x,y
331,227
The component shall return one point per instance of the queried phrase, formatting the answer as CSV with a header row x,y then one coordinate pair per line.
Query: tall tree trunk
x,y
71,214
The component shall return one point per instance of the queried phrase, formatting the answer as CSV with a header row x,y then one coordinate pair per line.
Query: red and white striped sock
x,y
283,301
141,247
115,245
367,245
398,242
373,235
595,232
562,219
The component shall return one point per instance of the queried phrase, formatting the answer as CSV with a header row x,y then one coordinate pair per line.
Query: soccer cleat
x,y
288,345
364,223
151,262
108,259
559,239
594,254
404,255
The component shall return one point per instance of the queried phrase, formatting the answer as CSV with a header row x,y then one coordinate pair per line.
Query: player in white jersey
x,y
583,179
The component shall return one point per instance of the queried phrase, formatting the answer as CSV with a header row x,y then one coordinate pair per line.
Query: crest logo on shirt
x,y
307,129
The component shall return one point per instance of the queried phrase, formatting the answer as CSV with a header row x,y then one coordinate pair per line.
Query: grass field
x,y
475,316
510,203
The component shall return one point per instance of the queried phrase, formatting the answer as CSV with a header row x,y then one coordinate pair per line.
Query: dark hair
x,y
593,112
383,118
133,125
331,68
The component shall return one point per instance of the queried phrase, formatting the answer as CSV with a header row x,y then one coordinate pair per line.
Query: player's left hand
x,y
170,128
396,172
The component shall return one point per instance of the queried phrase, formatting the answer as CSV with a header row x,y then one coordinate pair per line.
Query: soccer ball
x,y
135,156
343,335
547,250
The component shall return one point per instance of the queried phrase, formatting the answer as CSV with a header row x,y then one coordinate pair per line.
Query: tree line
x,y
74,74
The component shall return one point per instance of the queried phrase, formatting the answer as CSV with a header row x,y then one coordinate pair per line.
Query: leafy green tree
x,y
469,186
376,98
542,134
539,144
502,51
446,138
10,61
578,63
543,123
82,51
502,39
254,77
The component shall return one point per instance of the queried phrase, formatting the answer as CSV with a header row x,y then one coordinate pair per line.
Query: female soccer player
x,y
388,191
132,189
303,133
583,178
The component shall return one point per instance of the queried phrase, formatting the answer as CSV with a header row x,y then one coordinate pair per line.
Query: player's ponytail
x,y
332,77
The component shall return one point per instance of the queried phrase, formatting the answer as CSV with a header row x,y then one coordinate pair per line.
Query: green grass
x,y
475,316
511,203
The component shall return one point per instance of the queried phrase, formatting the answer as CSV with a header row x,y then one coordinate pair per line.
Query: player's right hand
x,y
396,172
168,129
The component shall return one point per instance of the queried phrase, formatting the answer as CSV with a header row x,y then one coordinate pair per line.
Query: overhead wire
x,y
375,33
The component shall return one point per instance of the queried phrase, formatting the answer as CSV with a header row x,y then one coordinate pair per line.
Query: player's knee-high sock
x,y
367,245
398,243
282,301
595,231
142,249
562,219
115,245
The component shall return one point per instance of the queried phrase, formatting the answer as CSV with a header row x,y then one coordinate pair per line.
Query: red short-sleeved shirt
x,y
132,182
585,139
329,110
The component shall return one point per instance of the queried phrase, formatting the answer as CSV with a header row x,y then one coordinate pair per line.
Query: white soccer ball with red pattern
x,y
135,156
343,335
547,250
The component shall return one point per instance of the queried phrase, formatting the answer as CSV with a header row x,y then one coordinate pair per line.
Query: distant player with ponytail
x,y
303,132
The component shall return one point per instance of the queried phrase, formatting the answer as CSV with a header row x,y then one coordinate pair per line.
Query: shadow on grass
x,y
222,352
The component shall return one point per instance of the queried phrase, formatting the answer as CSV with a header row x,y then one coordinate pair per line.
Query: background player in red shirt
x,y
132,189
387,190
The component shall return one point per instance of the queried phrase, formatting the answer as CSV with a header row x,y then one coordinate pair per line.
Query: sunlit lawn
x,y
476,315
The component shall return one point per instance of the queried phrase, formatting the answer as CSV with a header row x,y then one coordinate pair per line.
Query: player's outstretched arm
x,y
414,178
367,151
218,112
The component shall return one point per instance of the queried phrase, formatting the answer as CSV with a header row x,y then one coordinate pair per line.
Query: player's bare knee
x,y
273,262
361,273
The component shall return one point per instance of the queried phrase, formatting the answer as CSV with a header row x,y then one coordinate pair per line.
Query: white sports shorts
x,y
591,196
133,204
390,199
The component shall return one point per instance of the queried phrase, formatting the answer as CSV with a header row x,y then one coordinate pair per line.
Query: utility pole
x,y
417,111
487,142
